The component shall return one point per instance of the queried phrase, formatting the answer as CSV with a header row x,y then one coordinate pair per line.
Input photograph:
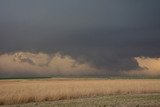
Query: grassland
x,y
115,100
25,91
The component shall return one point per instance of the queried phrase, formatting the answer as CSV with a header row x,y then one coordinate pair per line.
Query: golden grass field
x,y
24,91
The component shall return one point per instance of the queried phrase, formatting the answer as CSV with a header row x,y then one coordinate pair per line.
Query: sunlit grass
x,y
24,91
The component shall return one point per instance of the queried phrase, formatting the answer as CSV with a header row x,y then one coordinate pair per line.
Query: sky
x,y
79,37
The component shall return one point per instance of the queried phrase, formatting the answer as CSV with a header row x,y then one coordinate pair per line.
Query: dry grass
x,y
23,91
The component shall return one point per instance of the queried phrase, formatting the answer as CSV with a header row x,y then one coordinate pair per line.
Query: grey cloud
x,y
108,34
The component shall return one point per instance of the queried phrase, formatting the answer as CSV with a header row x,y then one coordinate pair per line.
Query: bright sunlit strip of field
x,y
24,91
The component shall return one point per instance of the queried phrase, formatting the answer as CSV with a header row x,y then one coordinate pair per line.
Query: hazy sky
x,y
107,35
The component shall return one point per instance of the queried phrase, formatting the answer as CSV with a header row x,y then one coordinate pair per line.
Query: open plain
x,y
62,89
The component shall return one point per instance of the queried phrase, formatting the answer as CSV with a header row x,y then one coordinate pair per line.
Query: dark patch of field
x,y
128,100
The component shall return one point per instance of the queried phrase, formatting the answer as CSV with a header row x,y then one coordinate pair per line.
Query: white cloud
x,y
150,66
28,63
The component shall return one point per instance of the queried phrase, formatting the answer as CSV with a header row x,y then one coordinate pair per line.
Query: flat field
x,y
42,90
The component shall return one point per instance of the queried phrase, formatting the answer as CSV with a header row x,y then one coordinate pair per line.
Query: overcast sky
x,y
106,34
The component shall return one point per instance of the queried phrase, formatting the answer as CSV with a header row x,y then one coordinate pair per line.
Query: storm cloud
x,y
41,64
149,66
107,34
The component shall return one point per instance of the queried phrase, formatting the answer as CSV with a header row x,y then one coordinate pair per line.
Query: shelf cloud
x,y
41,64
149,66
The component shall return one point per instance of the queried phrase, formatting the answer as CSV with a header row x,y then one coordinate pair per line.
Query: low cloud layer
x,y
41,64
149,66
27,64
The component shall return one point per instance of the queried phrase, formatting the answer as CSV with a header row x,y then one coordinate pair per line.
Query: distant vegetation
x,y
89,77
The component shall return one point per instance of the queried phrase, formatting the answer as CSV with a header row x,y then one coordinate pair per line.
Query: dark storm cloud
x,y
107,33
